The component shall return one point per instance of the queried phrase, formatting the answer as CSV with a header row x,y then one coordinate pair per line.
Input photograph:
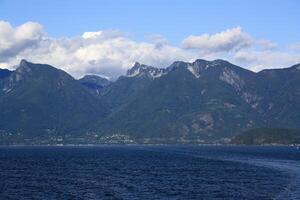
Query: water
x,y
149,172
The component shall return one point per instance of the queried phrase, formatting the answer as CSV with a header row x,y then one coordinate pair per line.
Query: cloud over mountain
x,y
111,52
14,40
228,40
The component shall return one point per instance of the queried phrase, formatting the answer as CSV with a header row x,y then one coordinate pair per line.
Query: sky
x,y
107,37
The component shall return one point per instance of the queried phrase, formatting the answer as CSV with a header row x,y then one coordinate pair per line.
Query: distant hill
x,y
4,73
261,136
95,84
186,102
38,100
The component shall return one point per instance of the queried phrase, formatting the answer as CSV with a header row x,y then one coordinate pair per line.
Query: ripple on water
x,y
137,173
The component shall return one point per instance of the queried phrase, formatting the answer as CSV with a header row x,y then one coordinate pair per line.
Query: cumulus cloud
x,y
110,52
101,35
158,40
229,40
89,35
265,44
258,60
15,40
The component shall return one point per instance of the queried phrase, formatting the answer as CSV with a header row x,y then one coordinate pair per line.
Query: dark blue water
x,y
149,172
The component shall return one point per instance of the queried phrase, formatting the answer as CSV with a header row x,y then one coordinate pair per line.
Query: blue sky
x,y
255,34
273,19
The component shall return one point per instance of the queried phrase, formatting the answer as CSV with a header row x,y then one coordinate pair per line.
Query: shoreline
x,y
141,144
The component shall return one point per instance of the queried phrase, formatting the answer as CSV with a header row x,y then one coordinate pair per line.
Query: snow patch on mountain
x,y
251,99
270,106
232,78
133,73
217,62
229,105
6,89
145,70
157,73
213,64
193,71
207,120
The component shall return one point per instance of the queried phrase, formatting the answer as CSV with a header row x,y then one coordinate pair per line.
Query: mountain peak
x,y
94,79
24,62
24,66
201,61
22,71
93,76
197,67
137,64
95,84
142,70
178,64
297,66
220,61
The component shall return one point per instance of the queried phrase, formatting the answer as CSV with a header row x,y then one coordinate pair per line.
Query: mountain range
x,y
202,101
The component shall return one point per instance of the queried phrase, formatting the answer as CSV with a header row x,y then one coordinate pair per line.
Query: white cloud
x,y
15,40
258,60
265,44
111,53
102,35
295,47
108,52
88,35
158,40
229,40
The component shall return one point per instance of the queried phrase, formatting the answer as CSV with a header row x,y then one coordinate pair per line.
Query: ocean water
x,y
150,172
